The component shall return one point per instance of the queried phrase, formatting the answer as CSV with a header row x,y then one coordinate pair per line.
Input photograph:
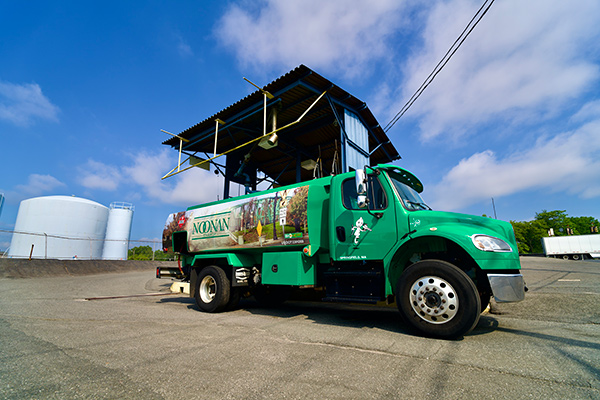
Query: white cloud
x,y
190,187
97,175
524,61
589,111
183,48
568,162
143,178
23,104
345,35
38,184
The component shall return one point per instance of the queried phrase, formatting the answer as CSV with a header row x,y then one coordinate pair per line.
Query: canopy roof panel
x,y
316,135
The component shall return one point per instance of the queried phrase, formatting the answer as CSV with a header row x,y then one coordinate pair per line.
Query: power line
x,y
442,63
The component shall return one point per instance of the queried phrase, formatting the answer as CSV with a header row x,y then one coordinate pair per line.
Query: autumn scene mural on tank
x,y
273,219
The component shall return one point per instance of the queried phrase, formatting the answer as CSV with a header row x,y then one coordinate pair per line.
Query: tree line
x,y
145,253
529,234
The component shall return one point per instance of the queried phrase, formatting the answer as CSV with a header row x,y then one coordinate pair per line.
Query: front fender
x,y
461,236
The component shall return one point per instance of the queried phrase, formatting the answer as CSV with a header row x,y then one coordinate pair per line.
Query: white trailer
x,y
574,247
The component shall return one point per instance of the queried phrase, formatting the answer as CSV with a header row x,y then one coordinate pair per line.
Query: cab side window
x,y
376,194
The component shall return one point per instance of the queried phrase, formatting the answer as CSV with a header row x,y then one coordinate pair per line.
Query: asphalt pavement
x,y
122,335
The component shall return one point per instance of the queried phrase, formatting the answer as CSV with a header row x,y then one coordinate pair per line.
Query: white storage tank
x,y
118,230
59,227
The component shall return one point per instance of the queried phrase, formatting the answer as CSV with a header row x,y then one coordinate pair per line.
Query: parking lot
x,y
131,338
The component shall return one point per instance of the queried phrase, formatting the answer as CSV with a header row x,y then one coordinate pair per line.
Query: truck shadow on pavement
x,y
338,314
386,318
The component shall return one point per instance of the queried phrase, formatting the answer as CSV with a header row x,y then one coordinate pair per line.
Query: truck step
x,y
354,285
351,299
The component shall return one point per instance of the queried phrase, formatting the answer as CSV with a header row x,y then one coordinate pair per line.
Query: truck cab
x,y
426,258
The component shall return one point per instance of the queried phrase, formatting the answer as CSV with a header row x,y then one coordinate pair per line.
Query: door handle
x,y
341,233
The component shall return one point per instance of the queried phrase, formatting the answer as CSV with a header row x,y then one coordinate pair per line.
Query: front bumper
x,y
507,288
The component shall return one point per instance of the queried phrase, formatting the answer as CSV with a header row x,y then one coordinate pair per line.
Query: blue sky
x,y
85,88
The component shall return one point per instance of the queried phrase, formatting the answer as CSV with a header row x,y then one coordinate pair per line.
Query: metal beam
x,y
233,120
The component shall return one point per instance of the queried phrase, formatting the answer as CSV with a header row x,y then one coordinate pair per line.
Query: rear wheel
x,y
438,299
213,289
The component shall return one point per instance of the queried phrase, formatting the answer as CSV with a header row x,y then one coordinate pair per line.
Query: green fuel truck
x,y
362,237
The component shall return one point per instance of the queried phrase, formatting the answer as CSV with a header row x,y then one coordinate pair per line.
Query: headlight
x,y
490,243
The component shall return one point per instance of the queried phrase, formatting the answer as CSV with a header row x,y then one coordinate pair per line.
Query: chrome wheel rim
x,y
433,299
208,289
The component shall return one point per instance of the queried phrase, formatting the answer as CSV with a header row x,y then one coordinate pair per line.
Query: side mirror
x,y
361,188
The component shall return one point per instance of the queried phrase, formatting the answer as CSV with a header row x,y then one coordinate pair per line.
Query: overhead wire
x,y
442,63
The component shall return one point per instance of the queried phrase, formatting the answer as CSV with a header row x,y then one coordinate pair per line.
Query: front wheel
x,y
438,299
213,290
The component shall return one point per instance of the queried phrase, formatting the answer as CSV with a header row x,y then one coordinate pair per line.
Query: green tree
x,y
159,255
581,225
556,220
520,229
559,221
140,253
529,235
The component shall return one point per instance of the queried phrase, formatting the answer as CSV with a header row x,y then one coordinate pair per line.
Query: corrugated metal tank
x,y
65,228
118,230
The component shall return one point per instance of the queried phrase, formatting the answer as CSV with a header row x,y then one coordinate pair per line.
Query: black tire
x,y
213,290
438,299
271,296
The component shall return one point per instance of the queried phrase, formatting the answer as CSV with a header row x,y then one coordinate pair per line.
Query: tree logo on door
x,y
358,228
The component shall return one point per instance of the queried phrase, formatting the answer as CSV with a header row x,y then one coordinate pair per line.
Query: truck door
x,y
361,234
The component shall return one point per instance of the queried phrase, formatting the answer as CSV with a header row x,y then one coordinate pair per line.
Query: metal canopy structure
x,y
311,118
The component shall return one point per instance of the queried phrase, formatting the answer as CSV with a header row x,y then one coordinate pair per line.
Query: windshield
x,y
411,200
